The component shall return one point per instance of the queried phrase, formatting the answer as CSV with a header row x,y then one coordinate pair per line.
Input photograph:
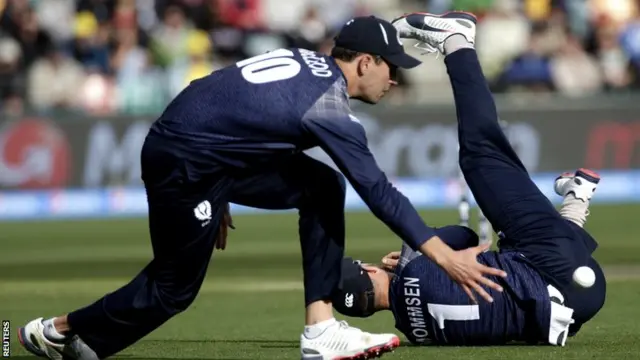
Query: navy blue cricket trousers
x,y
509,198
186,204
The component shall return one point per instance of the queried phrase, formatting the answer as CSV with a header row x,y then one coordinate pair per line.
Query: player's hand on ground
x,y
225,224
390,261
463,267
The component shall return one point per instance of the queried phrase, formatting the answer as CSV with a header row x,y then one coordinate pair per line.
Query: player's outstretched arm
x,y
344,140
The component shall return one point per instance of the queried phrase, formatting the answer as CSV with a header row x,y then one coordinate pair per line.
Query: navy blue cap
x,y
355,293
372,35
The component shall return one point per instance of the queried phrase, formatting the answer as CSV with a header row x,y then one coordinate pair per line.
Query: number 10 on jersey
x,y
269,67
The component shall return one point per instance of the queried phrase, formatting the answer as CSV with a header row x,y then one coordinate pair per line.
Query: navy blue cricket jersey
x,y
264,110
429,307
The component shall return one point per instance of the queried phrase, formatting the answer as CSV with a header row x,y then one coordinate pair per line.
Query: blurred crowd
x,y
133,56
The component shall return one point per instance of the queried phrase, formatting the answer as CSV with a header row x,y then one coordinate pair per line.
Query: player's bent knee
x,y
175,301
175,295
332,190
340,183
327,175
325,194
327,183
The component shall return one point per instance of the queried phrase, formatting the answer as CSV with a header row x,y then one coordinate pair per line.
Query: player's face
x,y
376,79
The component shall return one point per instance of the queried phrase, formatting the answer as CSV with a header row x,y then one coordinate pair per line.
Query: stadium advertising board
x,y
93,152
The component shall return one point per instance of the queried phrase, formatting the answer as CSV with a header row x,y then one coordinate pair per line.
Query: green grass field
x,y
251,305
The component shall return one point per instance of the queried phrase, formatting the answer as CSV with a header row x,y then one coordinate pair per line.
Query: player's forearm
x,y
346,143
436,249
395,210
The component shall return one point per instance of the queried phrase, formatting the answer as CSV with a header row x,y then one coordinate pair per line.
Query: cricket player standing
x,y
238,135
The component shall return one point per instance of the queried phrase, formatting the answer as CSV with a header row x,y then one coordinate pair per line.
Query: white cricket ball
x,y
584,276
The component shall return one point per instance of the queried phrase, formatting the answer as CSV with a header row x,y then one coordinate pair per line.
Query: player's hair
x,y
348,55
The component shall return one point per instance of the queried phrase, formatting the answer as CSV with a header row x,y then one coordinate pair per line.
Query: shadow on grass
x,y
260,343
127,357
263,344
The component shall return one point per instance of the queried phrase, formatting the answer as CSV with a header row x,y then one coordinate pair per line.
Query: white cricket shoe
x,y
343,342
432,30
33,339
582,184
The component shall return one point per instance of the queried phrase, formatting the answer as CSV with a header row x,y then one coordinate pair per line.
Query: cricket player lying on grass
x,y
540,247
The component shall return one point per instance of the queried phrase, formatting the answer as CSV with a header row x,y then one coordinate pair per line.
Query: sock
x,y
575,210
313,331
50,331
455,43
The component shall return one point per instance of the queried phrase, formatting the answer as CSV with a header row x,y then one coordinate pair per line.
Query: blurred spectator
x,y
537,10
630,43
139,83
89,45
578,17
197,65
169,40
133,56
614,62
56,18
615,12
206,15
147,17
531,70
574,72
129,60
630,39
11,80
495,48
241,14
12,12
53,80
311,31
33,40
